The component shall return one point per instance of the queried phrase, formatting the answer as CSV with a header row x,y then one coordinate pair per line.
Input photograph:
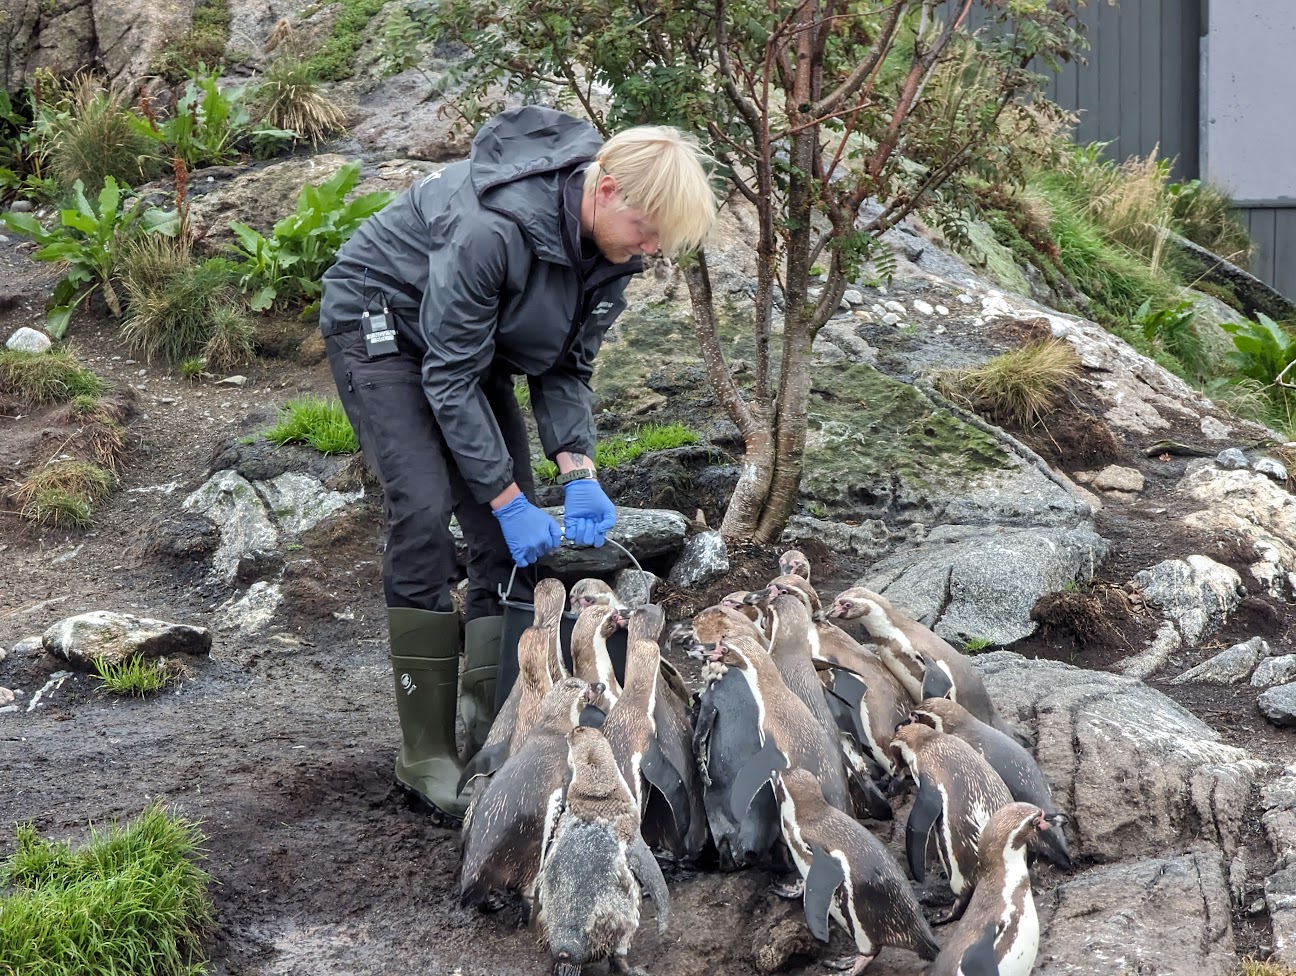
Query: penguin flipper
x,y
486,763
754,775
936,680
592,717
821,884
927,809
875,804
847,704
666,779
979,958
645,867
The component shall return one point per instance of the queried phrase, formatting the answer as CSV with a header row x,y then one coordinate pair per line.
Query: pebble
x,y
853,296
1274,469
28,340
890,318
235,380
1232,459
922,308
942,310
894,306
966,299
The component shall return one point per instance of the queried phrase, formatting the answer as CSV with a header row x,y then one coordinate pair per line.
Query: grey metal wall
x,y
1138,87
1274,231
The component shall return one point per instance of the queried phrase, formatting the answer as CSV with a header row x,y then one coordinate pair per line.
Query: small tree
x,y
811,109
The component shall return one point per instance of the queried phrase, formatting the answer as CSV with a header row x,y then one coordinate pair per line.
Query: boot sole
x,y
438,816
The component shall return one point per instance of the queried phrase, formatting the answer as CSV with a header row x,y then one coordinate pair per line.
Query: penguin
x,y
724,740
521,709
902,642
739,603
590,658
848,876
549,600
1003,902
509,821
790,652
1015,766
885,703
958,792
709,626
794,562
979,958
674,737
591,592
786,730
595,864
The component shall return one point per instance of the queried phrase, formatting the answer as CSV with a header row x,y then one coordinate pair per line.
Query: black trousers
x,y
422,487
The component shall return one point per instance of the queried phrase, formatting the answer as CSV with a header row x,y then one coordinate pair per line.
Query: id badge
x,y
379,335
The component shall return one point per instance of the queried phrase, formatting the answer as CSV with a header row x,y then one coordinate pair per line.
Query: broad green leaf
x,y
56,320
263,299
24,223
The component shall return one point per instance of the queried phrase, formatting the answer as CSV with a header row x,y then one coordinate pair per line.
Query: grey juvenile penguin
x,y
1003,898
848,876
958,793
1015,766
904,645
589,891
510,820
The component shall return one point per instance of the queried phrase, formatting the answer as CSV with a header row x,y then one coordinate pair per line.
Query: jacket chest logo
x,y
602,308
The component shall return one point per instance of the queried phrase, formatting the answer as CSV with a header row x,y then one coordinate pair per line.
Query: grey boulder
x,y
29,340
116,637
705,557
1196,593
1278,705
1227,667
1274,671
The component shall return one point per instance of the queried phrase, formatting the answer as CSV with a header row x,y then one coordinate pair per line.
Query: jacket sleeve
x,y
561,397
458,320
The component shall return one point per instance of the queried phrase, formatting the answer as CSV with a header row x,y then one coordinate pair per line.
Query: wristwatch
x,y
576,474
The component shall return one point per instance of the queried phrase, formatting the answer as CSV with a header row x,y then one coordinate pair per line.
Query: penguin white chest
x,y
1017,958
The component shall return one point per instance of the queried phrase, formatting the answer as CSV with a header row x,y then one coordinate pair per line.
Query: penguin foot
x,y
789,891
856,964
618,964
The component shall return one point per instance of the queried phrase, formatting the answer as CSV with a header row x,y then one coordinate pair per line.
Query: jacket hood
x,y
515,163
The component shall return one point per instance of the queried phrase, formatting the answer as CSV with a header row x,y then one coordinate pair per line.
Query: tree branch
x,y
866,67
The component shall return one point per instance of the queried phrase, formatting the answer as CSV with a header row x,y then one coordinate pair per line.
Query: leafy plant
x,y
205,43
1174,328
47,377
288,265
23,153
131,900
1263,349
89,239
134,676
320,423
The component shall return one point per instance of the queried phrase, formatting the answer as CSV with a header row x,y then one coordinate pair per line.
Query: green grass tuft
x,y
134,676
1022,385
320,423
192,367
623,448
47,377
131,900
176,308
975,645
64,493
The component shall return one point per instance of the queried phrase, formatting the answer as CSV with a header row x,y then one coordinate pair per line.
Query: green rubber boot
x,y
425,665
481,665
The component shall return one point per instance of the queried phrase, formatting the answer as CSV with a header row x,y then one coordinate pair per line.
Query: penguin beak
x,y
904,721
594,692
756,598
1053,818
838,609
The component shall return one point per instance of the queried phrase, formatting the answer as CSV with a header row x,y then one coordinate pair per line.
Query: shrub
x,y
1021,386
290,99
231,337
288,265
47,377
94,137
130,900
320,423
172,303
134,676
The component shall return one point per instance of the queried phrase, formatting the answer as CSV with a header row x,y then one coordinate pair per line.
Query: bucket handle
x,y
504,592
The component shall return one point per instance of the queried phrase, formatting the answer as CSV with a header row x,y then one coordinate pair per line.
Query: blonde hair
x,y
660,170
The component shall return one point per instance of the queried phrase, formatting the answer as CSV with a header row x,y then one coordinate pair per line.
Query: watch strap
x,y
576,474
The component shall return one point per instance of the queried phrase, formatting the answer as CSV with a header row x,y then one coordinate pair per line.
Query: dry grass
x,y
1021,386
63,493
1128,202
93,137
1254,967
290,98
231,338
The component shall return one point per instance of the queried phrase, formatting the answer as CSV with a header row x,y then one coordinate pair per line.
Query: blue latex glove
x,y
588,513
529,532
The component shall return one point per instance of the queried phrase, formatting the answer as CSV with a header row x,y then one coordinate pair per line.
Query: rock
x,y
942,310
1115,478
1196,594
982,581
246,531
705,557
1232,459
853,296
648,533
116,637
891,305
1270,469
28,645
635,587
1254,294
1278,800
1138,773
1228,667
29,340
300,502
235,380
1251,509
871,539
398,119
841,336
1169,917
1274,671
252,611
1214,430
21,206
923,308
890,318
1278,705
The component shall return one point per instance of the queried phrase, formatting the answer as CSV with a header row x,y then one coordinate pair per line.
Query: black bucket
x,y
518,616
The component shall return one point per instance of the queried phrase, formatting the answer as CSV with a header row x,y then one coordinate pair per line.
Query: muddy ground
x,y
282,744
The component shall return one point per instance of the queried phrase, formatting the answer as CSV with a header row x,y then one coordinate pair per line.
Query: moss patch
x,y
335,60
204,44
866,427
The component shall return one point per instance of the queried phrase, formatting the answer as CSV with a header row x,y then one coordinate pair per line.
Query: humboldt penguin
x,y
902,642
709,626
591,592
794,562
979,958
787,731
1015,766
591,660
521,709
589,891
958,792
1003,899
885,705
846,723
510,820
738,603
848,875
549,600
